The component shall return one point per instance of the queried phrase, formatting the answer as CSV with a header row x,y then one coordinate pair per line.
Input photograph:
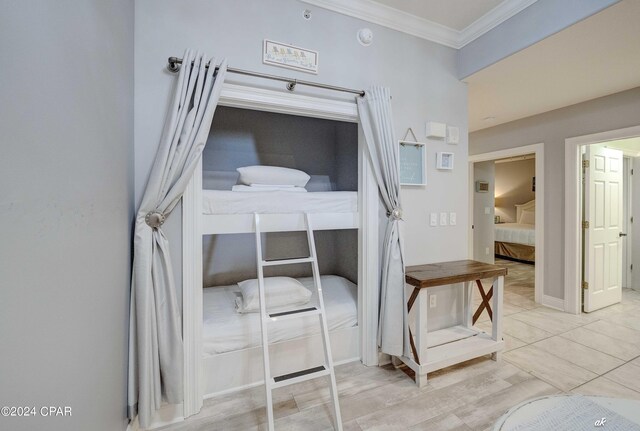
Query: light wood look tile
x,y
583,356
620,349
605,387
445,422
626,319
524,331
485,412
546,322
627,375
511,342
617,332
432,403
556,371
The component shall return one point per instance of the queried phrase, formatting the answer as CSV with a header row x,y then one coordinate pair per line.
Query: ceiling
x,y
452,23
630,146
593,58
455,14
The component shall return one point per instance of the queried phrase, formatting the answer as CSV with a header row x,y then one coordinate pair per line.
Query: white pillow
x,y
527,217
272,175
279,292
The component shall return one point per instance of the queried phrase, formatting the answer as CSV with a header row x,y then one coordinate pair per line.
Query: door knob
x,y
622,234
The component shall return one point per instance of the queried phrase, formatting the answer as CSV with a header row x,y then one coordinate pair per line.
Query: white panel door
x,y
603,181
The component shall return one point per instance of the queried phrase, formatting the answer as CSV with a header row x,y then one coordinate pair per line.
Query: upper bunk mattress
x,y
229,202
516,233
226,330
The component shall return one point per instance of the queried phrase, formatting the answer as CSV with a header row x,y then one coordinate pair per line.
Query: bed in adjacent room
x,y
517,241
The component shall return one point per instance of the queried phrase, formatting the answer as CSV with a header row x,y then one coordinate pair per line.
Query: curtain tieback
x,y
154,219
395,214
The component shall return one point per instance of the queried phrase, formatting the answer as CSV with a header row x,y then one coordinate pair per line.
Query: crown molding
x,y
395,19
492,19
371,11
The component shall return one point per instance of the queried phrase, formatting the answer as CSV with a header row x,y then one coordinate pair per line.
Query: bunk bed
x,y
517,241
231,348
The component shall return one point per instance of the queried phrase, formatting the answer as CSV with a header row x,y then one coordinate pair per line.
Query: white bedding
x,y
229,202
516,233
226,330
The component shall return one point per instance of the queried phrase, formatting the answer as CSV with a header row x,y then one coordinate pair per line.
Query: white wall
x,y
635,202
421,75
483,223
66,207
513,187
612,112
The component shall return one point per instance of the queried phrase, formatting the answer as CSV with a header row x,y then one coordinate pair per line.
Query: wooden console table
x,y
439,349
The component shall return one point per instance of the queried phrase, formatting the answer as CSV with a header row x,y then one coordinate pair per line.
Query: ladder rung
x,y
293,314
287,261
300,376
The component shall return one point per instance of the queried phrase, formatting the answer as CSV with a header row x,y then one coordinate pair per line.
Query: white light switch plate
x,y
443,219
453,135
433,219
433,301
487,210
452,219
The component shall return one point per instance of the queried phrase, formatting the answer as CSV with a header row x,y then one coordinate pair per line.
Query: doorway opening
x,y
506,201
599,234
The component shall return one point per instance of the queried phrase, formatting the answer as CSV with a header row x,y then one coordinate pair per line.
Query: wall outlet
x,y
433,219
433,301
443,219
452,219
486,251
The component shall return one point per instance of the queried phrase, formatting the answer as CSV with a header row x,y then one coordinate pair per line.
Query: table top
x,y
439,274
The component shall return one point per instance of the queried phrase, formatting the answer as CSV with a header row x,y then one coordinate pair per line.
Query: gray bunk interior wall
x,y
327,150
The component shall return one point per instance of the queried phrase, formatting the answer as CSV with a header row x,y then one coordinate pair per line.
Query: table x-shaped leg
x,y
412,300
485,302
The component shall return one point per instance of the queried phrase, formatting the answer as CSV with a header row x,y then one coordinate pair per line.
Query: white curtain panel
x,y
155,335
377,124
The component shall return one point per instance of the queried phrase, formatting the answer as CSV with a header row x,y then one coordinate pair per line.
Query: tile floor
x,y
547,352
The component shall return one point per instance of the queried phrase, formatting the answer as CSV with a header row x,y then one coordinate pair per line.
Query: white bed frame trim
x,y
248,97
243,223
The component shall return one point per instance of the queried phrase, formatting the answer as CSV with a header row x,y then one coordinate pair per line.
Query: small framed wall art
x,y
482,186
289,56
413,162
444,161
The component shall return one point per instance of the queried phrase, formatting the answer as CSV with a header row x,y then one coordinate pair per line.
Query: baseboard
x,y
552,302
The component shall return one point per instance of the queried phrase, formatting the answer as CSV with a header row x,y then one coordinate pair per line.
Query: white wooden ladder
x,y
326,369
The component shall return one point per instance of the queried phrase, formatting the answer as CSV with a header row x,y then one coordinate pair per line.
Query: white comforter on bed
x,y
226,330
516,233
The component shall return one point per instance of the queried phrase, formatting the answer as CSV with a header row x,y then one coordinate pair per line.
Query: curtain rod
x,y
175,62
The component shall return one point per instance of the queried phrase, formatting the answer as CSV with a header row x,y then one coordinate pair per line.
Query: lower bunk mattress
x,y
226,330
